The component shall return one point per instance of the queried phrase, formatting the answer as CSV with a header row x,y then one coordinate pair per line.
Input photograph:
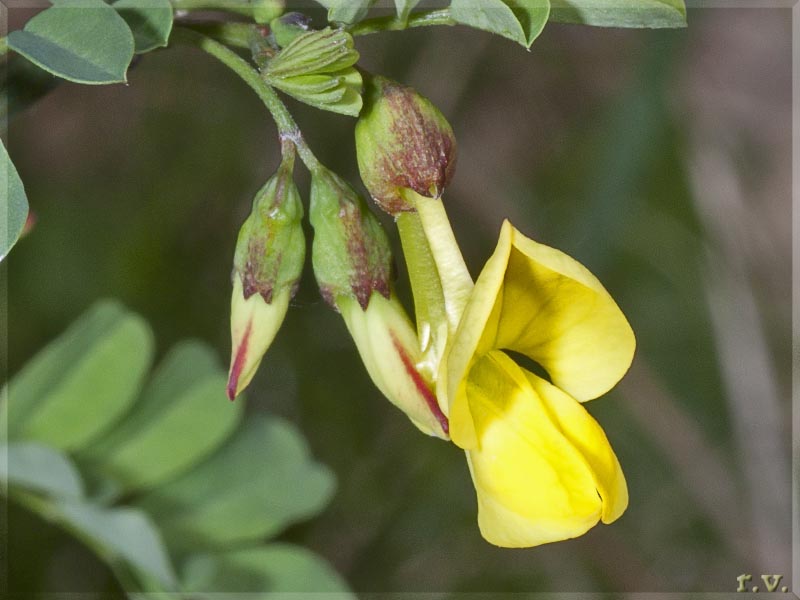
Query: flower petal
x,y
254,325
388,347
538,301
534,485
586,435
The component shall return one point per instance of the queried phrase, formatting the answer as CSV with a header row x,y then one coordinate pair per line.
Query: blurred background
x,y
659,159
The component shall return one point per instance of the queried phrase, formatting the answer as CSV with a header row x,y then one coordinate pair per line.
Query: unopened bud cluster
x,y
406,149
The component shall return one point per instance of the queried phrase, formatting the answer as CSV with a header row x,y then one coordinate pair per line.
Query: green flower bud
x,y
289,26
351,254
352,264
317,68
267,265
403,143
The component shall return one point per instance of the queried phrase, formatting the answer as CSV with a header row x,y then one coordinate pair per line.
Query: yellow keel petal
x,y
534,486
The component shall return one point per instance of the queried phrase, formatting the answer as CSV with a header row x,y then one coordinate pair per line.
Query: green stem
x,y
3,45
420,19
287,128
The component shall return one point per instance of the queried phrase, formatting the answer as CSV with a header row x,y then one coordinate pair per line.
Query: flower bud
x,y
403,142
352,264
267,265
289,26
351,254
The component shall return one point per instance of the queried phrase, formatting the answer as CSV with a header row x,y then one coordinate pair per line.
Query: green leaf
x,y
40,469
263,572
119,534
14,205
150,22
182,417
84,381
256,485
348,11
621,13
518,20
85,42
404,8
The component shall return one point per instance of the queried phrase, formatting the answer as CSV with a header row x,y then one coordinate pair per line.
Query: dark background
x,y
659,159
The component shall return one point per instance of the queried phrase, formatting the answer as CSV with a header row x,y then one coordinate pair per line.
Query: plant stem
x,y
287,128
3,45
420,19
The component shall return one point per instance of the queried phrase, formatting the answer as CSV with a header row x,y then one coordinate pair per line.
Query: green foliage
x,y
620,13
14,205
88,378
518,20
255,486
40,468
177,421
348,11
280,568
150,22
89,43
189,479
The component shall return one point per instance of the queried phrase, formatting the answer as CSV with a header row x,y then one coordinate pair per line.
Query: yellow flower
x,y
543,468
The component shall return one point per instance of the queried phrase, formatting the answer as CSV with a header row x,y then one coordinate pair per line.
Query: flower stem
x,y
287,128
420,19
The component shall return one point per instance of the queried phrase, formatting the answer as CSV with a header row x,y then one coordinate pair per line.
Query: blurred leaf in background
x,y
157,474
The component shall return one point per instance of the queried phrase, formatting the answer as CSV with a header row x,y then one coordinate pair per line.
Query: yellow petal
x,y
586,435
533,485
538,301
254,324
388,347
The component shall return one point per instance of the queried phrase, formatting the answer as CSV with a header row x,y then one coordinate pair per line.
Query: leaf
x,y
182,417
621,13
85,42
518,20
122,533
348,11
256,485
150,22
40,469
263,572
404,8
83,381
14,206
